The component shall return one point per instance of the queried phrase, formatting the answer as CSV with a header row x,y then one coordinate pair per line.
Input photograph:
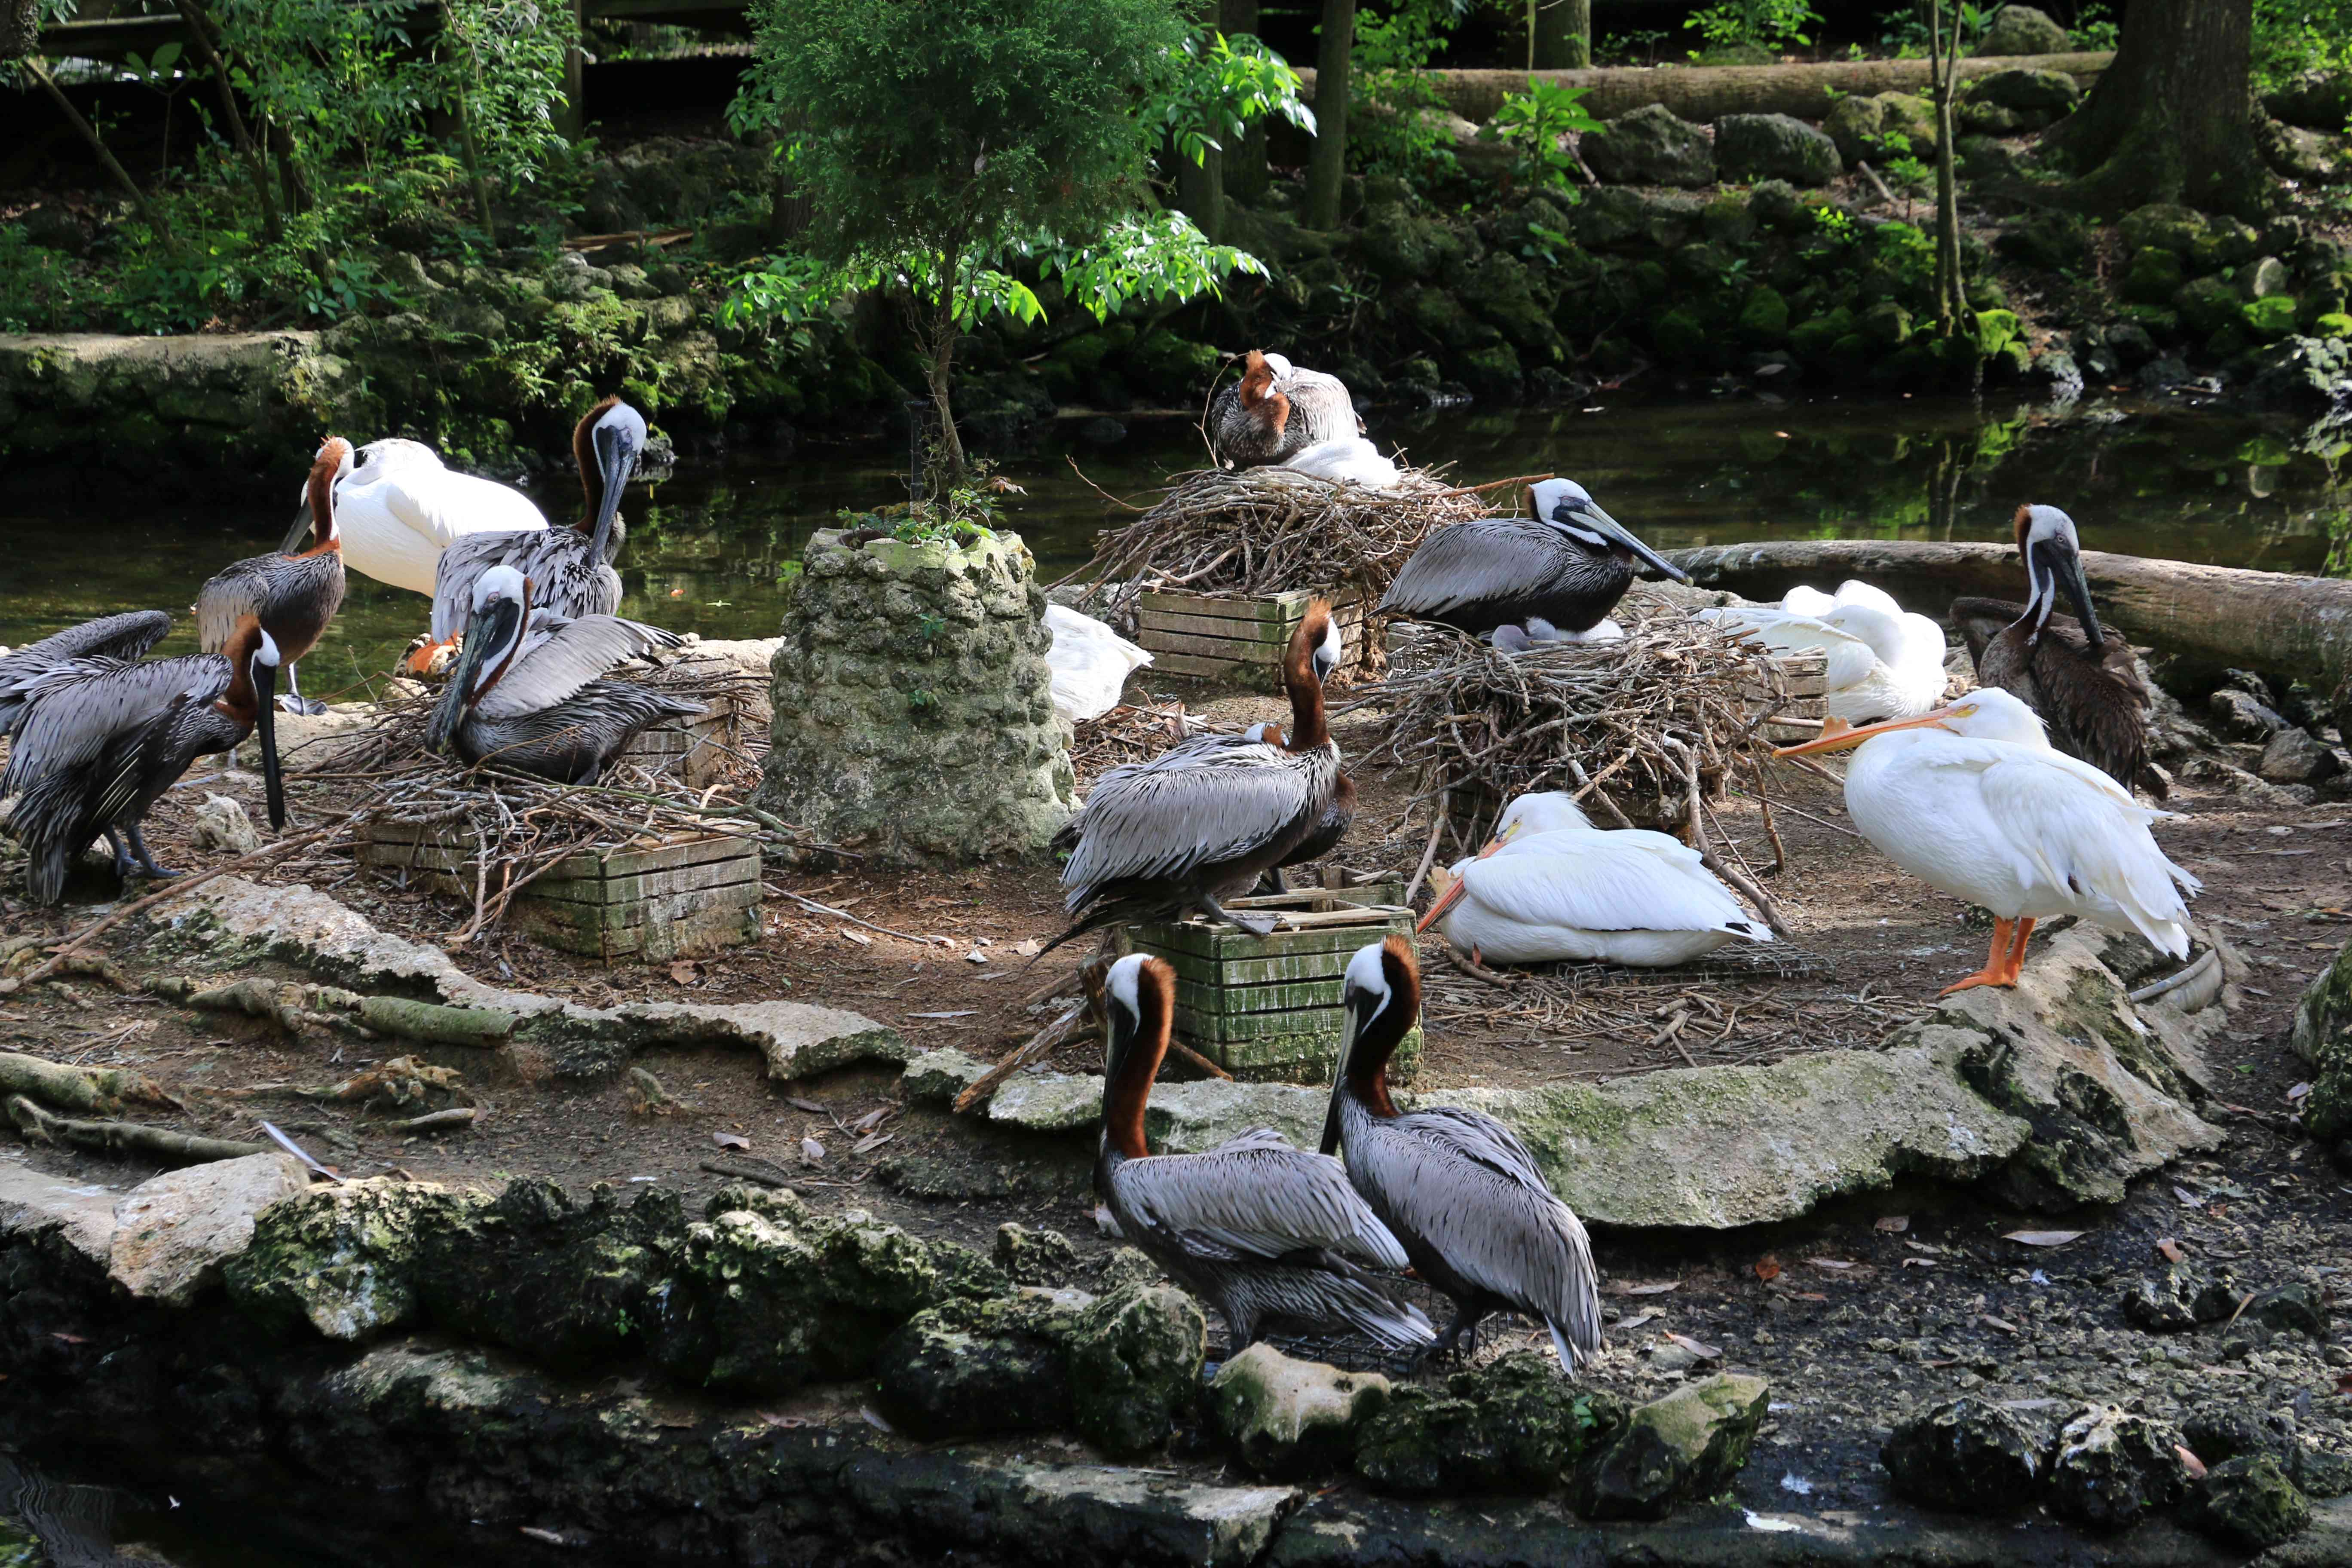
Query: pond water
x,y
708,544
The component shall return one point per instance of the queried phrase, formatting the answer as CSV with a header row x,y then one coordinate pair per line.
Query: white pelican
x,y
399,508
1553,887
1517,640
1882,663
1970,799
1349,458
1090,664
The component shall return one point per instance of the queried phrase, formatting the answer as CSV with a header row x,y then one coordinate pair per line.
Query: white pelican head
x,y
1278,363
1538,811
1987,714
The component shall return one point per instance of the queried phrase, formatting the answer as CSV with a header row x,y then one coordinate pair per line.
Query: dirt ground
x,y
1867,1307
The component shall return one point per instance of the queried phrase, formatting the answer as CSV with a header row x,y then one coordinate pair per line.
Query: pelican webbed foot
x,y
1257,925
2003,963
147,866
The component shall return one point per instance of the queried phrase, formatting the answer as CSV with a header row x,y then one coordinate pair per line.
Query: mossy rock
x,y
2248,1502
1171,367
1288,1419
1400,242
1853,123
1728,220
2165,225
2155,276
1494,372
1135,1359
2160,323
1774,147
1764,320
2207,305
341,1261
1513,1425
976,1367
1885,325
2225,243
1651,146
1816,338
2022,30
1968,1456
2269,318
2113,1467
1680,338
1912,116
2322,1037
1503,290
1996,331
1686,1446
1778,207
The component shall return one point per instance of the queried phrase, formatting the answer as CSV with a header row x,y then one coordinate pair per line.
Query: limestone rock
x,y
1289,1419
2175,227
2248,1502
2009,103
915,704
222,828
173,1232
1688,1445
2293,756
2242,716
2308,375
2322,1037
340,1260
1513,1425
1854,122
938,1077
2113,1467
2023,30
1135,1359
2265,277
1651,146
2292,1308
2316,99
1034,1256
970,1367
1774,147
1402,244
33,1203
2177,1301
1967,1456
2056,242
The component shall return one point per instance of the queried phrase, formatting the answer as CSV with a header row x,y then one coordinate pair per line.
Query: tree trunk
x,y
20,22
1201,187
199,26
1563,35
1326,170
147,210
467,142
1943,55
946,465
2172,120
572,118
1245,170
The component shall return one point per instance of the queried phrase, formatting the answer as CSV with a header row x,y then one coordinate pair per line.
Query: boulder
x,y
2012,102
2239,715
1774,147
2177,1301
2113,1467
2248,1502
1513,1425
1651,146
2316,100
2294,756
1688,1445
2175,227
173,1232
2022,30
2322,1037
2154,277
2295,1307
223,828
1502,290
1968,1456
1777,206
1764,320
1034,1256
342,1260
968,1368
2226,243
1289,1419
1135,1359
2207,305
1855,124
2268,321
1401,243
2307,375
2056,242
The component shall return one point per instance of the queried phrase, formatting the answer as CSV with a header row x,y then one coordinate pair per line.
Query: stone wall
x,y
914,714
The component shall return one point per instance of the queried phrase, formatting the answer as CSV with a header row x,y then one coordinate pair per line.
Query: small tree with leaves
x,y
945,143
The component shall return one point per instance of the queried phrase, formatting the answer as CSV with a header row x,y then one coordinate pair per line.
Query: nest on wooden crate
x,y
1636,730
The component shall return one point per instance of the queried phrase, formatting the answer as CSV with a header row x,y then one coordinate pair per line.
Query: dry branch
x,y
125,1137
435,1024
74,1088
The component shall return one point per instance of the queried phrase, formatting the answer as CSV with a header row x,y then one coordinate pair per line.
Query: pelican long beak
x,y
300,535
2078,588
1623,537
265,723
1445,900
457,697
617,458
1330,1144
1846,739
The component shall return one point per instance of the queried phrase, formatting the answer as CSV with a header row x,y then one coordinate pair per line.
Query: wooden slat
x,y
1283,996
618,893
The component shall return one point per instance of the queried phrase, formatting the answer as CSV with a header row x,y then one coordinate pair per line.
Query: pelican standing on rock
x,y
1205,819
527,695
1553,888
2086,688
1268,1233
571,569
1455,1186
1970,799
1278,411
399,508
1880,662
123,636
99,744
1565,562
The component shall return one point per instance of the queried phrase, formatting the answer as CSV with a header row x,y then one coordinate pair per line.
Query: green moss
x,y
1764,320
2208,305
1996,331
2269,320
2155,276
1513,1425
1135,1359
1685,1446
1680,338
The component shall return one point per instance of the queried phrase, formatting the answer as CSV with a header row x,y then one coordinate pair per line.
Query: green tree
x,y
2172,120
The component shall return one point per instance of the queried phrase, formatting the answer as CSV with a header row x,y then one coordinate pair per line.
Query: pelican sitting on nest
x,y
1276,411
1539,633
1090,664
1455,1186
1553,888
1266,1232
1882,663
1564,562
1351,459
1970,799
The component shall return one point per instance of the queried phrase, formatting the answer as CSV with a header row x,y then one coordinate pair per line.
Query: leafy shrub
x,y
1532,124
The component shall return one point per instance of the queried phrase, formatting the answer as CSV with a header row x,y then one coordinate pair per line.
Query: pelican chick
x,y
1970,799
1456,1188
1268,1233
1564,560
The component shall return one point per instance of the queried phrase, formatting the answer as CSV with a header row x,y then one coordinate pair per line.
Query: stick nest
x,y
1626,719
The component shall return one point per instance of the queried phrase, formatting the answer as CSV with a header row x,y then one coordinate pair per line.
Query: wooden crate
x,y
701,751
1268,1006
1239,639
1800,718
688,893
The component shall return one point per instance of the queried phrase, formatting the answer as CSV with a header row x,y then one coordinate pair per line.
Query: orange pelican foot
x,y
1999,965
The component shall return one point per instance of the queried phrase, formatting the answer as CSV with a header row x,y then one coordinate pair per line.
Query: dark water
x,y
707,544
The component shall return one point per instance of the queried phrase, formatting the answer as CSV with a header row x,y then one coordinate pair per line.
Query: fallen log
x,y
2220,616
125,1137
73,1087
432,1022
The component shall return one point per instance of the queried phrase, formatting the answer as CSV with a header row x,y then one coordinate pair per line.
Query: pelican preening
x,y
2086,688
123,636
1268,1233
399,508
571,569
1456,1188
525,693
98,742
1881,662
1090,664
1565,562
1553,888
1276,411
1970,799
1206,818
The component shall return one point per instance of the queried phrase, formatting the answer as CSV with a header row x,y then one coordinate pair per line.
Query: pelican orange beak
x,y
1846,739
1448,895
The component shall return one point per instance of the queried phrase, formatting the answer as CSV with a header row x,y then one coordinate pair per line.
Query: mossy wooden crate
x,y
701,751
686,894
1268,1008
1239,638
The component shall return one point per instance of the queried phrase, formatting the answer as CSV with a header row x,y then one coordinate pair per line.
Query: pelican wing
x,y
1587,881
2079,828
572,654
538,553
72,721
236,590
442,508
1257,1196
127,636
1467,564
1321,407
1090,663
1210,799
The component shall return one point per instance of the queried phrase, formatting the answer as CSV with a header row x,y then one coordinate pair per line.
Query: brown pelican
x,y
125,637
1455,1186
571,569
1206,818
1565,561
1277,412
2086,688
1331,827
1266,1232
400,508
100,742
1970,799
526,692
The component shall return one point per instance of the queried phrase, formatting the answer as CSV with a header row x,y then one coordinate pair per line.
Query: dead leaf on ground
x,y
1990,1321
1894,1224
797,1104
683,971
1029,947
866,1145
1646,1314
1704,1352
1808,1296
547,1537
871,1119
730,1140
1767,1268
860,940
1919,1263
2041,1237
1626,1288
812,1151
873,1420
2170,1248
2190,1462
789,1423
1837,1264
